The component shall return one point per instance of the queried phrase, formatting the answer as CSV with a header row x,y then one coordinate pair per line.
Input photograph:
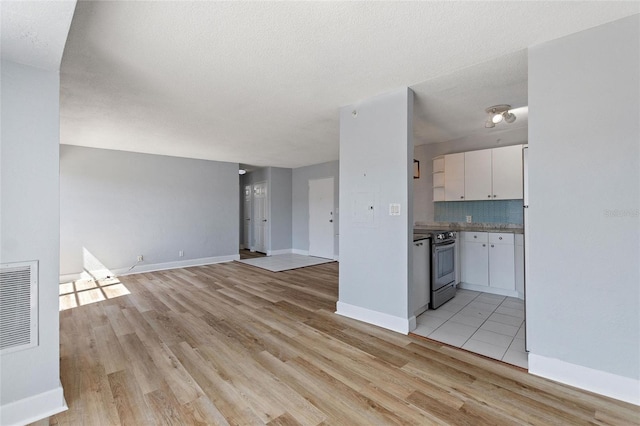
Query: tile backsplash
x,y
500,211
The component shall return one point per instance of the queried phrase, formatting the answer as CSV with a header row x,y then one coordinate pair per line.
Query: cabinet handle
x,y
489,195
475,236
484,245
494,196
491,245
499,238
462,196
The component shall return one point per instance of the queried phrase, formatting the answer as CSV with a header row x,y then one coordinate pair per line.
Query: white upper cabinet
x,y
477,175
454,177
487,174
493,174
507,172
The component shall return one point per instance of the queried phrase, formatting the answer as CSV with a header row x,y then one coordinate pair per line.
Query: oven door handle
x,y
444,245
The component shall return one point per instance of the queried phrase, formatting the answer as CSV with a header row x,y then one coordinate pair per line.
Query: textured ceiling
x,y
34,33
261,83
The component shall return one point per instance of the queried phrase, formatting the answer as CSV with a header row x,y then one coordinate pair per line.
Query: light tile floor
x,y
484,323
284,262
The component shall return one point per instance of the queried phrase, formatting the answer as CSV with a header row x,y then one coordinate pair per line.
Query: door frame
x,y
267,226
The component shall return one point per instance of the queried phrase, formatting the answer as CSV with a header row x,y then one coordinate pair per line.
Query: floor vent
x,y
18,306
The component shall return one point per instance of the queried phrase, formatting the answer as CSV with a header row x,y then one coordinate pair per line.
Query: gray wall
x,y
117,205
29,224
301,178
583,297
423,187
376,168
280,208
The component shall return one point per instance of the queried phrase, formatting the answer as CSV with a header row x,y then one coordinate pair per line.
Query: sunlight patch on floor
x,y
85,291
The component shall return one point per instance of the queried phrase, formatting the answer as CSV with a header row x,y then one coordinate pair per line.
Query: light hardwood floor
x,y
233,344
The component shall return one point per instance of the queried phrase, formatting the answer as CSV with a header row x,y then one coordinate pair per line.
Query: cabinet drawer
x,y
478,237
500,238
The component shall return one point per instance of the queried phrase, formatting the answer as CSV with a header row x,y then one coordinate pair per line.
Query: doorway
x,y
260,217
246,219
321,218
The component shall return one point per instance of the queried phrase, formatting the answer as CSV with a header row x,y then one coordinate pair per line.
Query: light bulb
x,y
496,118
509,117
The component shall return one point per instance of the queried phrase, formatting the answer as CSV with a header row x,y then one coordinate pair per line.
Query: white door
x,y
246,219
321,218
260,217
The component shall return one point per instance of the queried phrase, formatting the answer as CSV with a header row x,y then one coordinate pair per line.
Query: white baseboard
x,y
33,408
277,252
306,253
412,323
390,322
486,289
336,258
603,383
140,268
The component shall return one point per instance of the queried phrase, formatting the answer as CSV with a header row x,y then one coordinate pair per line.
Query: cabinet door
x,y
507,172
454,177
420,289
475,263
477,175
502,266
519,265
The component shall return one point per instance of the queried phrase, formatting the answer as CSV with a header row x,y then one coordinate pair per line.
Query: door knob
x,y
331,220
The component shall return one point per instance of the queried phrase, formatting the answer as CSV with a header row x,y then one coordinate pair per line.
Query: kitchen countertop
x,y
424,227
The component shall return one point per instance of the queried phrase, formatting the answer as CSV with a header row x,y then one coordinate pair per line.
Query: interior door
x,y
246,219
321,218
260,217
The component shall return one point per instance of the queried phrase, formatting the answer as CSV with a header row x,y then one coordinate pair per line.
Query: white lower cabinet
x,y
520,265
474,260
502,261
488,262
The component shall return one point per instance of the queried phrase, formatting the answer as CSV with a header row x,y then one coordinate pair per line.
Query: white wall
x,y
300,201
376,169
583,292
29,230
116,205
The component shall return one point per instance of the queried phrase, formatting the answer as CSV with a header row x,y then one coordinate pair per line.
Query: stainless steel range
x,y
443,273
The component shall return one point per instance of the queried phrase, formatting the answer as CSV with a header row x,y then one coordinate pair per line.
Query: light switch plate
x,y
394,209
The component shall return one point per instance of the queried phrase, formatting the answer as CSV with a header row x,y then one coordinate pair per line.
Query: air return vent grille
x,y
18,306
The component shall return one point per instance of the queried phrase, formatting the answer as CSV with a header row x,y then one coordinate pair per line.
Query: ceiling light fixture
x,y
497,113
242,171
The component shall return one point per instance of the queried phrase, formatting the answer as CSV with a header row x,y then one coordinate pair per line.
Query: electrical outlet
x,y
181,253
468,219
140,258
